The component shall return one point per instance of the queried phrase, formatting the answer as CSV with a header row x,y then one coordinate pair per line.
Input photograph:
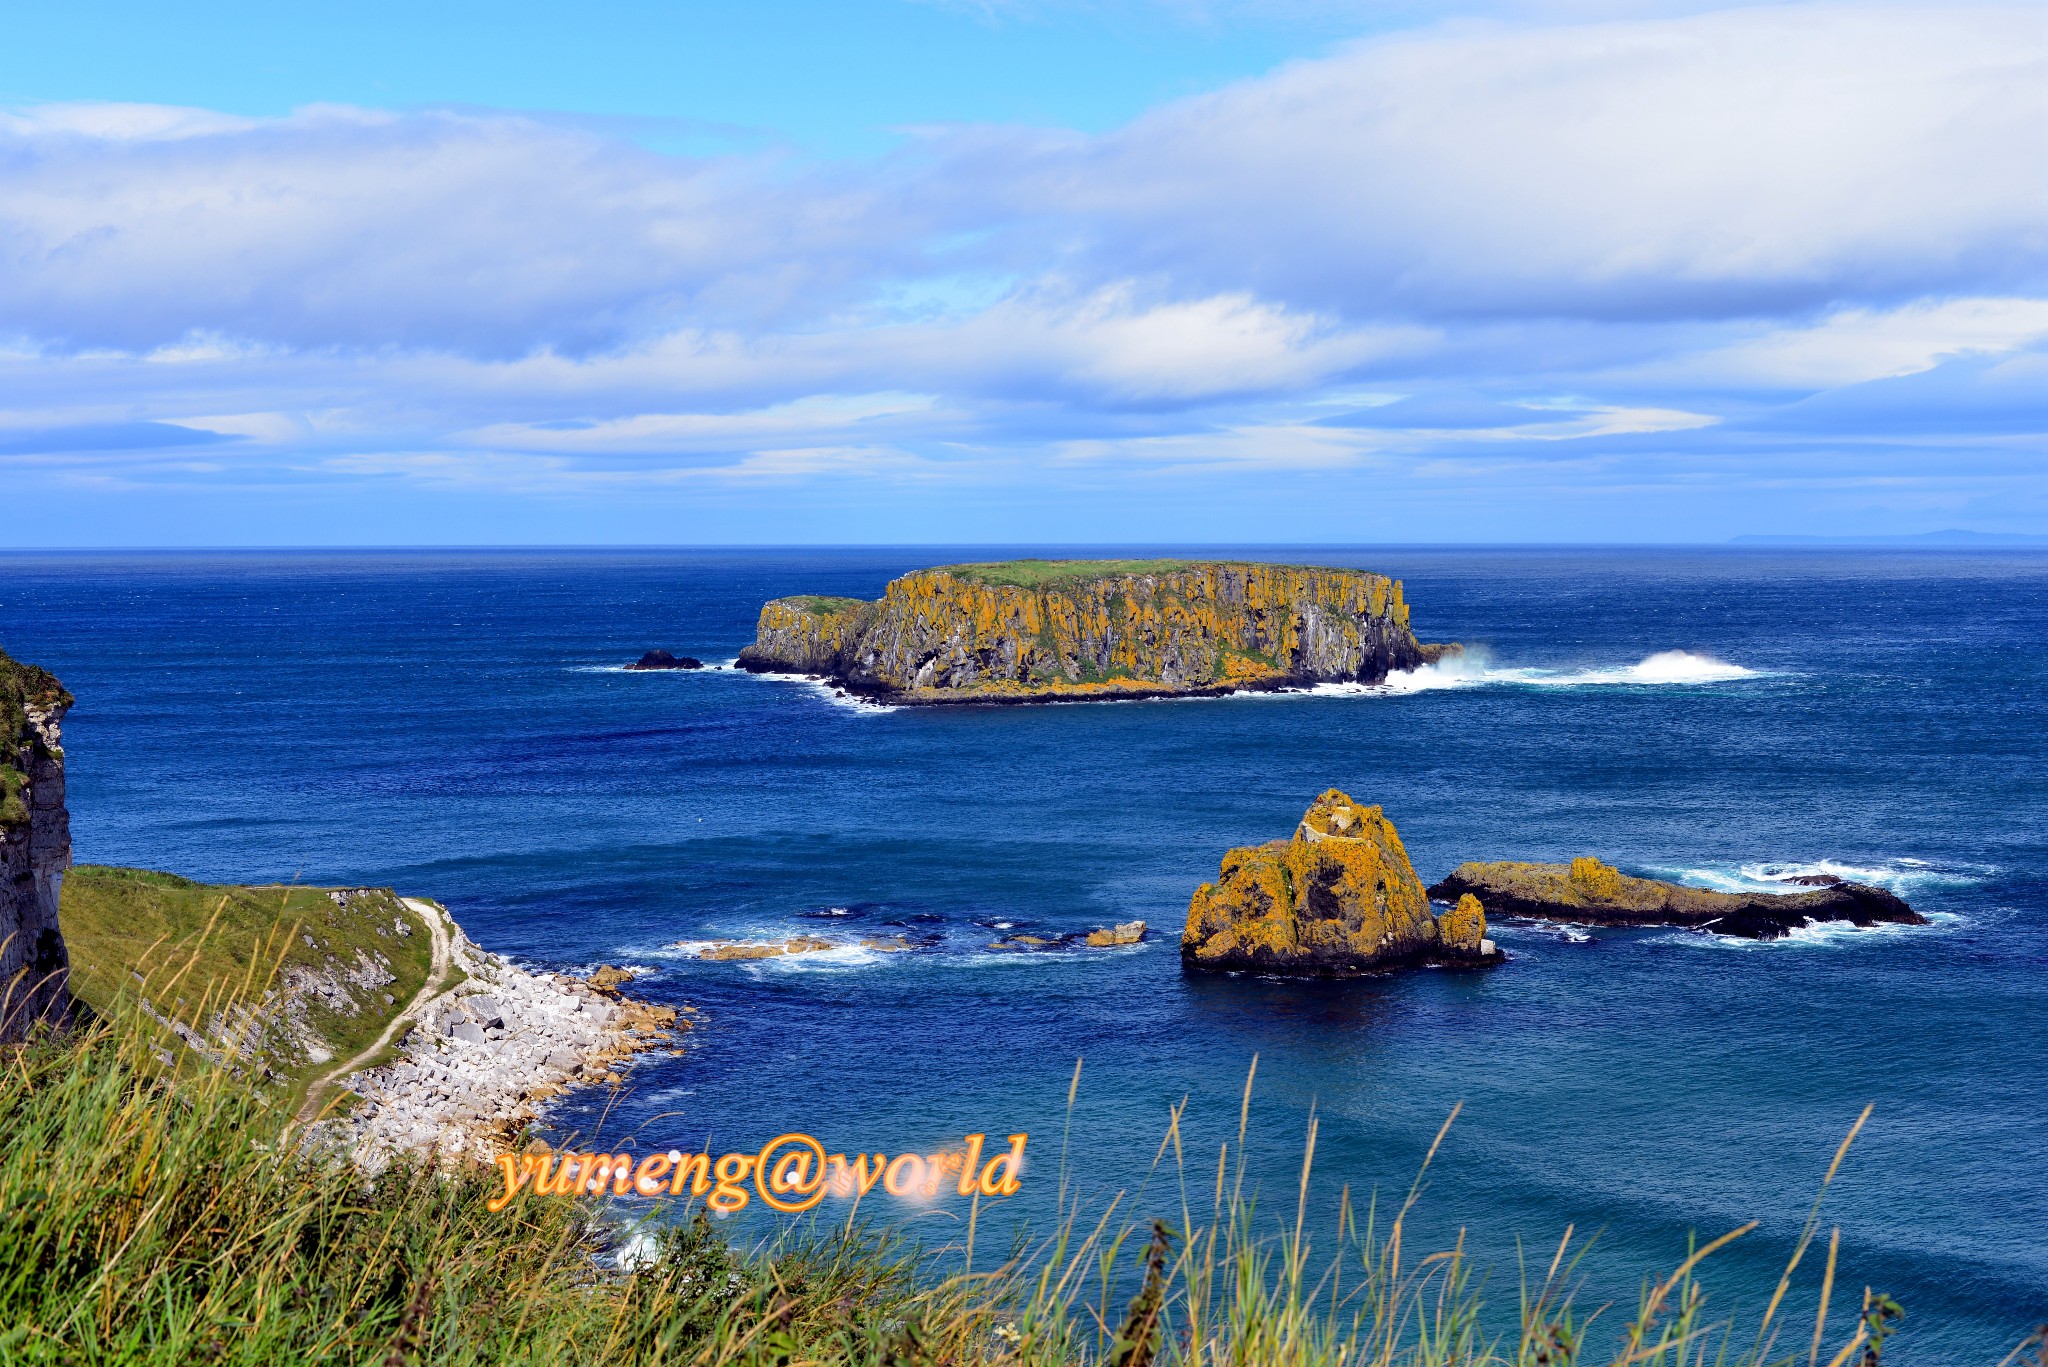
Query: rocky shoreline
x,y
488,1055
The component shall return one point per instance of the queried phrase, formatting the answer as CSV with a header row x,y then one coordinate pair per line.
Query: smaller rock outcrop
x,y
1588,891
1339,898
1462,929
1123,933
661,659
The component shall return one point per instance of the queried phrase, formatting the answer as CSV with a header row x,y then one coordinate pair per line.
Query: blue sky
x,y
1021,270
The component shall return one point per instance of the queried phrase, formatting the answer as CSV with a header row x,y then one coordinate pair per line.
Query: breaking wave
x,y
1474,668
832,693
1902,876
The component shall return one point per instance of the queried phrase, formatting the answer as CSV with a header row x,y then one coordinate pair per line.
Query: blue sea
x,y
458,725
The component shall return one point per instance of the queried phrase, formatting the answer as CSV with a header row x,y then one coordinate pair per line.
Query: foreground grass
x,y
154,1217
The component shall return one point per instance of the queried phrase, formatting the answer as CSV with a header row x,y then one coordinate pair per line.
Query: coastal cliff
x,y
35,850
1590,892
1035,629
1338,898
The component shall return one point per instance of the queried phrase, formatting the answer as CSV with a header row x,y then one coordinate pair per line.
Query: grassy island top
x,y
824,605
1048,574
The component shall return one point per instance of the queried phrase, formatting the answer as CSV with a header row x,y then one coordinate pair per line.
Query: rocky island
x,y
1590,892
1047,630
1339,898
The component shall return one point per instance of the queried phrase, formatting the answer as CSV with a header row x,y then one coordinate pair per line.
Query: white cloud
x,y
1673,221
1854,346
696,431
490,233
1745,161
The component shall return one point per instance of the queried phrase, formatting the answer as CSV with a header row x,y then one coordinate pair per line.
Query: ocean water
x,y
457,725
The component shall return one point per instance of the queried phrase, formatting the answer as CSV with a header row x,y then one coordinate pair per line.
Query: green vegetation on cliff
x,y
188,957
22,686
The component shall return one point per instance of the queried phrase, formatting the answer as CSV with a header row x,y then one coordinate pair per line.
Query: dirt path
x,y
437,977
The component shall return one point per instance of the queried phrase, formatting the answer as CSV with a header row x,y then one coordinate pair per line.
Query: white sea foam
x,y
838,960
832,693
1474,668
1817,935
723,667
1902,876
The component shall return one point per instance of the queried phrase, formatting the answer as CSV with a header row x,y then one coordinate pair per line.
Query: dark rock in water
x,y
1587,891
661,659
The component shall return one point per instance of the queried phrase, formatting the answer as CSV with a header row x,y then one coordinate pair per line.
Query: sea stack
x,y
1043,630
1339,898
35,850
1587,891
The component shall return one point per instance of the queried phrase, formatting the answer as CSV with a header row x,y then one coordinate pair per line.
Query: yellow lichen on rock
x,y
1594,880
1340,897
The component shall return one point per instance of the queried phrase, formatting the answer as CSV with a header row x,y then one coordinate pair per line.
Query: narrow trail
x,y
437,976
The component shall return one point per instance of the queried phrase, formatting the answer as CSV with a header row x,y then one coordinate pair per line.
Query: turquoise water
x,y
457,725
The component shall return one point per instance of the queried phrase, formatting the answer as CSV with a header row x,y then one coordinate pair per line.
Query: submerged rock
x,y
1339,898
1590,892
765,949
661,659
1029,942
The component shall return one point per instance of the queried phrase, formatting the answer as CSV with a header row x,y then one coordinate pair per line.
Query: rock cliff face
x,y
1588,891
1035,629
35,850
1337,899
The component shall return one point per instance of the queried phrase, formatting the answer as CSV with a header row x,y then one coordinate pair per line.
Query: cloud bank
x,y
1598,262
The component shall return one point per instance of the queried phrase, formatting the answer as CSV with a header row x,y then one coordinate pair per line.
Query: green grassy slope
x,y
190,950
